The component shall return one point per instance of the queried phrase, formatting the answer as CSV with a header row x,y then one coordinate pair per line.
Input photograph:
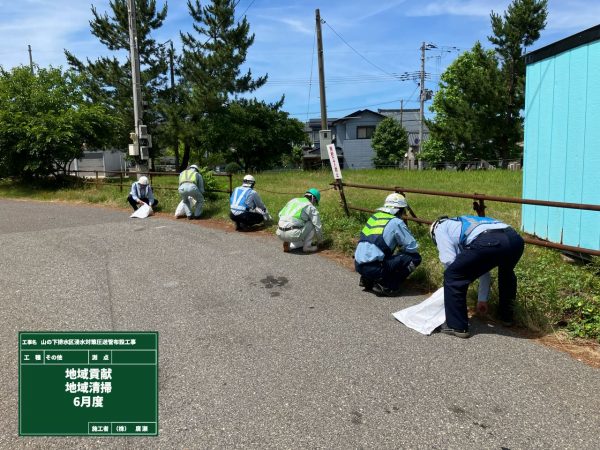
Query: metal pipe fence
x,y
479,207
94,178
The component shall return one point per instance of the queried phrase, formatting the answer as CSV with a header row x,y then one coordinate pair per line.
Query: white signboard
x,y
333,160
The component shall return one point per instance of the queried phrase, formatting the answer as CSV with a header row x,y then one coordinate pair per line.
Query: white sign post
x,y
333,160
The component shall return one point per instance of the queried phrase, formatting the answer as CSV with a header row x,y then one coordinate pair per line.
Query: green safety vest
x,y
373,231
294,208
187,176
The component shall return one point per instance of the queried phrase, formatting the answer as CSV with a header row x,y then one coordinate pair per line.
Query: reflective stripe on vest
x,y
187,176
238,198
469,223
373,231
294,208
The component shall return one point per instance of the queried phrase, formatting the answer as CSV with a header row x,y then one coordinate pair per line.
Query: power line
x,y
358,53
354,107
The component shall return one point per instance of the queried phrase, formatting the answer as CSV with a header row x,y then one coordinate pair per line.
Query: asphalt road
x,y
270,350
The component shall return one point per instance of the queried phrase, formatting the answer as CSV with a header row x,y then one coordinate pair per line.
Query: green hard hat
x,y
315,193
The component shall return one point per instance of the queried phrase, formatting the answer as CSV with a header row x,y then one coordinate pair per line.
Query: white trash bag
x,y
425,316
142,212
180,210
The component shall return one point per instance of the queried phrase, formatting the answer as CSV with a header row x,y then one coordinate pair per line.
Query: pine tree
x,y
212,60
109,78
518,29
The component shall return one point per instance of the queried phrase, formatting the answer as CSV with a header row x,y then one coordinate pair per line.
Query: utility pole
x,y
140,130
423,97
324,134
30,59
422,104
172,71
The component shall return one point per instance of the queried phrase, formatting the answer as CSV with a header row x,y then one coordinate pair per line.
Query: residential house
x,y
352,137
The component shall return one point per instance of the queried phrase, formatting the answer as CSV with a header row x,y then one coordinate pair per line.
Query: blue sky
x,y
366,43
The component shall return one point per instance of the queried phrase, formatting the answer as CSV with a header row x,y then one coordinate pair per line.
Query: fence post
x,y
340,185
96,179
230,183
479,207
120,181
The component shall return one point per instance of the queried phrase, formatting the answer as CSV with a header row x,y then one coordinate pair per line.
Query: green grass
x,y
553,294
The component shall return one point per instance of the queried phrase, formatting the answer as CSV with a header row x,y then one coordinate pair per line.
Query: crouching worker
x,y
381,270
469,248
191,185
299,222
141,193
247,208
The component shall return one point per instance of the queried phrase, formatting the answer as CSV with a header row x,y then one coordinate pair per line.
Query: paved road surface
x,y
264,349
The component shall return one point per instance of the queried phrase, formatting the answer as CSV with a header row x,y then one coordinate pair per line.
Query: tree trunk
x,y
186,156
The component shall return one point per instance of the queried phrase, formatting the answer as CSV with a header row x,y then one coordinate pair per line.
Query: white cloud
x,y
480,8
48,26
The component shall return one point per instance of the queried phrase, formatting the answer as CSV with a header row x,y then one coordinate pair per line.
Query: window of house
x,y
364,132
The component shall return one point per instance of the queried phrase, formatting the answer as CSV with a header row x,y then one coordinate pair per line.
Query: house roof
x,y
357,115
568,43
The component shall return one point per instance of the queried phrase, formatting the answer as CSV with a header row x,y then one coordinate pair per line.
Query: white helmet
x,y
434,225
194,166
395,201
248,181
143,180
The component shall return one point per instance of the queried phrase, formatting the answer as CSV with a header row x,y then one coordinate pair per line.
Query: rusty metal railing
x,y
479,207
113,174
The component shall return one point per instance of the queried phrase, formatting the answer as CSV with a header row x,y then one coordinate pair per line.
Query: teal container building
x,y
561,160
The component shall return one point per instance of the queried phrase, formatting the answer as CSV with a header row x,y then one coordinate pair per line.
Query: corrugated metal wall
x,y
562,146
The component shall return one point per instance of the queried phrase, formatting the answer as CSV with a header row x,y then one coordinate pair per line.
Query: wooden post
x,y
340,186
120,181
96,179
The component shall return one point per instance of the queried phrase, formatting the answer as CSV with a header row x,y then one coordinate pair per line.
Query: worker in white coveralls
x,y
299,223
387,253
141,193
191,184
246,207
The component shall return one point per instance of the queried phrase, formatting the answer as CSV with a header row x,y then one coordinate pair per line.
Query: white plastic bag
x,y
180,210
142,212
425,316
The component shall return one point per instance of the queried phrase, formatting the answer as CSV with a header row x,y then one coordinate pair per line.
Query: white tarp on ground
x,y
425,316
142,212
180,210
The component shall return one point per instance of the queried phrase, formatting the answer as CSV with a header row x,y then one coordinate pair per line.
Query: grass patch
x,y
553,294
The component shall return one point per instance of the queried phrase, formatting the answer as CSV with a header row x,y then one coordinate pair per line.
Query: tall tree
x,y
517,29
212,61
259,134
45,120
467,107
390,142
109,78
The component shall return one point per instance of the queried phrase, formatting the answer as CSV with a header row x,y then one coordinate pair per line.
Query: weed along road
x,y
259,348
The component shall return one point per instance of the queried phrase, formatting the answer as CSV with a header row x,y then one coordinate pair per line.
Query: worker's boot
x,y
286,247
309,248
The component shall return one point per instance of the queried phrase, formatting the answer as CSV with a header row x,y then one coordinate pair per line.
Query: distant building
x,y
352,137
105,162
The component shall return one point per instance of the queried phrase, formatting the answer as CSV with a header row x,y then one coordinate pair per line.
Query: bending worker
x,y
247,208
191,184
299,222
385,232
141,193
469,248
